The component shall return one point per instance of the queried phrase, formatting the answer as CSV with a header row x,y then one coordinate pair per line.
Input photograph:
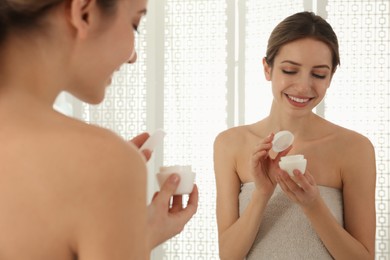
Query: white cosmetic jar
x,y
187,177
289,163
282,140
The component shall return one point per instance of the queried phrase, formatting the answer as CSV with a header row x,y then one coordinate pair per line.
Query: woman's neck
x,y
27,71
297,122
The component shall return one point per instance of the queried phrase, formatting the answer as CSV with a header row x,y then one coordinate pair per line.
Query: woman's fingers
x,y
192,204
283,153
140,139
177,203
261,150
300,189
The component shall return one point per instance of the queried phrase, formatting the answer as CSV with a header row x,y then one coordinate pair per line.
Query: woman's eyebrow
x,y
298,64
291,62
322,66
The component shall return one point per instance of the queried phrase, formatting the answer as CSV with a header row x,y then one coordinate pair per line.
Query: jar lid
x,y
282,140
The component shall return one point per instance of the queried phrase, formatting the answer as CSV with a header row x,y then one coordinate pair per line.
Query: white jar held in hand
x,y
289,163
187,177
283,140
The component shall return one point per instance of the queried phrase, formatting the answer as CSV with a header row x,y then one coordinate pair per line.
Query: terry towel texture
x,y
285,232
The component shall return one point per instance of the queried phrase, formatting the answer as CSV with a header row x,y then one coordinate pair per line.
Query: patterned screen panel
x,y
195,111
359,97
261,18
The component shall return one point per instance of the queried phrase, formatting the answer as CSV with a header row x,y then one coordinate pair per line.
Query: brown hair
x,y
27,14
303,25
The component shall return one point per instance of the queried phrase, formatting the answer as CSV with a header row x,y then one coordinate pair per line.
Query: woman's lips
x,y
298,101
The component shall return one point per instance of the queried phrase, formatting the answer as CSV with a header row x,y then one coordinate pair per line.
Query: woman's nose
x,y
133,57
305,83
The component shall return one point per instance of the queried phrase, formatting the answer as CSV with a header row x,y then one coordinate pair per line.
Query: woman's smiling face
x,y
301,74
109,44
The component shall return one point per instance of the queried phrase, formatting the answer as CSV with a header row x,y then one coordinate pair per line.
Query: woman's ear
x,y
81,16
267,69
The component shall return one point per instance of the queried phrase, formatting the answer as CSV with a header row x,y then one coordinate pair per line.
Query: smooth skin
x,y
69,190
337,158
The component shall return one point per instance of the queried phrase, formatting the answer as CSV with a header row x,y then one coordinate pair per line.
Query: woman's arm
x,y
359,181
237,233
357,239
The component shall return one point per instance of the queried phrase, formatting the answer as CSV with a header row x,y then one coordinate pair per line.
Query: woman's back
x,y
56,175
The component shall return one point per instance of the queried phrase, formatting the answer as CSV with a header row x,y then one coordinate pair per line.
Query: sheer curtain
x,y
199,72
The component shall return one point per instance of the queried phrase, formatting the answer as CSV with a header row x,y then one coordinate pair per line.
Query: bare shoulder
x,y
101,155
57,144
352,142
357,154
239,141
86,180
358,175
109,174
96,158
86,143
231,150
233,136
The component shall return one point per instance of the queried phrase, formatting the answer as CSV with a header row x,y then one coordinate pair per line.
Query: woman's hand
x,y
301,189
166,220
138,141
263,167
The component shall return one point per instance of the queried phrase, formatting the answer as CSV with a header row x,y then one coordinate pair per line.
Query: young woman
x,y
326,212
69,190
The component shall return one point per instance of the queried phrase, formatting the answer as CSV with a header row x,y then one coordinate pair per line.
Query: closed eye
x,y
289,72
319,76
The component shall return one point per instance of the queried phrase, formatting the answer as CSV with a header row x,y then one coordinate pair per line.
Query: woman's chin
x,y
109,82
95,100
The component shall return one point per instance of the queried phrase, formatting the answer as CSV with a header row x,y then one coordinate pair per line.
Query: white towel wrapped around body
x,y
285,232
